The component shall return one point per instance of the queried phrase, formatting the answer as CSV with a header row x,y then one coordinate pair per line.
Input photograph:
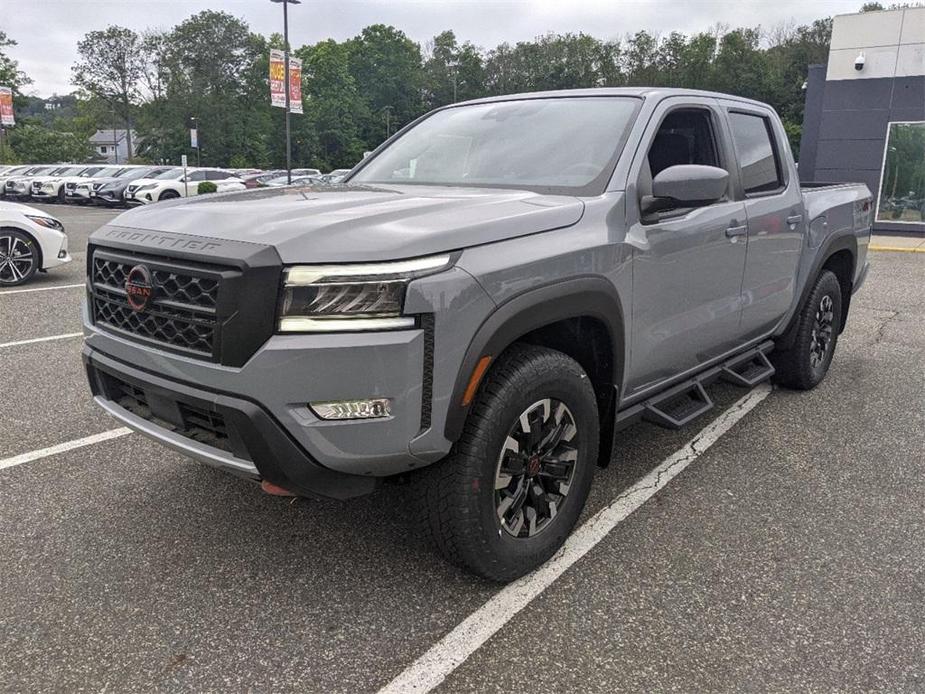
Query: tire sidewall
x,y
573,389
827,284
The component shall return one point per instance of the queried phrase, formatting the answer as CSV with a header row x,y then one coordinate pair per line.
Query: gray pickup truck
x,y
482,305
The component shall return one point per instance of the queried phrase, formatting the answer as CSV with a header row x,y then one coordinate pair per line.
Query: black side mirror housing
x,y
687,185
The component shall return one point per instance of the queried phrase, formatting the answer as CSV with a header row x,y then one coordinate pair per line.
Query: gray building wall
x,y
848,111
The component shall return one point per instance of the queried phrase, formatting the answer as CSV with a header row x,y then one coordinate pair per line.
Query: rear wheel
x,y
806,362
511,491
18,258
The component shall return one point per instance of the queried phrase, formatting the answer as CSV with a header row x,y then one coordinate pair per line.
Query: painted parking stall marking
x,y
63,447
42,289
34,340
434,666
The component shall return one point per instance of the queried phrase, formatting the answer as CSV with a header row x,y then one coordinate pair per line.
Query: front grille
x,y
188,420
181,315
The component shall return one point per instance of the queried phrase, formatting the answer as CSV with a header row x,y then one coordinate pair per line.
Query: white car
x,y
30,240
173,184
51,185
77,190
19,186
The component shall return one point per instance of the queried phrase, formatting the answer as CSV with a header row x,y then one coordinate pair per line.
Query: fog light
x,y
353,409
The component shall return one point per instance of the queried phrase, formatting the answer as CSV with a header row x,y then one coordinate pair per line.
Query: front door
x,y
688,263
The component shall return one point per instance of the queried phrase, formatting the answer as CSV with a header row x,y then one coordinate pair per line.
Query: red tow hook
x,y
274,490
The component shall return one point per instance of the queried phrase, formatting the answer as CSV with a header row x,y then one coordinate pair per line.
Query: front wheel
x,y
18,258
168,195
806,362
512,489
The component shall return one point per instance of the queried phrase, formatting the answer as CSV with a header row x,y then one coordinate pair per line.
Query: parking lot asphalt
x,y
789,556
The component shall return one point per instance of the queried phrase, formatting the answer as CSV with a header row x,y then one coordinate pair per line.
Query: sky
x,y
47,31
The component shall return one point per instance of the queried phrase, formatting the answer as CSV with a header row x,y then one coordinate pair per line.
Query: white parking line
x,y
64,336
452,650
42,289
63,447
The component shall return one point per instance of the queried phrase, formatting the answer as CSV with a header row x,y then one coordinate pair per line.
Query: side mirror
x,y
687,185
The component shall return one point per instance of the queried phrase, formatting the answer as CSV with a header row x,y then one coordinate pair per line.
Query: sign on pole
x,y
278,81
6,106
295,85
193,138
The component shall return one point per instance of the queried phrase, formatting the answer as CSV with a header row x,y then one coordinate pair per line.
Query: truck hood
x,y
360,223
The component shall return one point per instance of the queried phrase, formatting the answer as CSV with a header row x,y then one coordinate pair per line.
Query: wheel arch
x,y
838,254
581,317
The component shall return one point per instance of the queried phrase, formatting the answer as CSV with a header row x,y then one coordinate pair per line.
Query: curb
x,y
896,249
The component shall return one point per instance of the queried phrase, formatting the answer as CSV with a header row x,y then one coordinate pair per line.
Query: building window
x,y
902,179
103,149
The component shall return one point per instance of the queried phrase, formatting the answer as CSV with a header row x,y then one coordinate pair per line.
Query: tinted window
x,y
217,176
197,176
684,137
754,145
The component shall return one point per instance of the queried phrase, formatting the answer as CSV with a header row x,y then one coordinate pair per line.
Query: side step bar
x,y
685,401
748,370
674,410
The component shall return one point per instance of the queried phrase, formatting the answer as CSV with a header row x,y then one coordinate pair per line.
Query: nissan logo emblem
x,y
139,288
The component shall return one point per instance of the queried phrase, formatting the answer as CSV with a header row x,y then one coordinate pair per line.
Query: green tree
x,y
334,109
387,68
40,145
109,67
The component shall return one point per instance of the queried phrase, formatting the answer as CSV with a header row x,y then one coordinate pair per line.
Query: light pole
x,y
285,4
195,122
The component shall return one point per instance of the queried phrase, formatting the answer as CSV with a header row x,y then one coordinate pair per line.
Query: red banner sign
x,y
278,81
6,105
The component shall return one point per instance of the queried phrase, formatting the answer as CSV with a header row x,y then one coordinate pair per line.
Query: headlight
x,y
47,222
149,186
97,186
348,298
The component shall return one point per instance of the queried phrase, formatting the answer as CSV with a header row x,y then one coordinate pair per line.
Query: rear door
x,y
774,209
688,263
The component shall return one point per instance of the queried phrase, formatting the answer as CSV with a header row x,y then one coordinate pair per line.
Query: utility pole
x,y
115,140
285,4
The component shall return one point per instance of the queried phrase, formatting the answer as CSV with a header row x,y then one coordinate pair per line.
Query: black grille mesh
x,y
182,313
172,329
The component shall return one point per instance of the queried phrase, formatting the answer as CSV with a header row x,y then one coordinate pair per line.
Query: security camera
x,y
859,62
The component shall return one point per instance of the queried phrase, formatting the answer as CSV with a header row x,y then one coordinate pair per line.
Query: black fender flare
x,y
840,242
592,297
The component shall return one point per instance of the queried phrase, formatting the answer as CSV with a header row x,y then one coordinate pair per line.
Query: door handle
x,y
795,219
732,232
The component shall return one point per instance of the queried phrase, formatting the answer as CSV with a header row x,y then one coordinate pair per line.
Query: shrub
x,y
206,187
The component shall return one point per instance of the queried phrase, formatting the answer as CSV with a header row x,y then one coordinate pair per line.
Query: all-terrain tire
x,y
806,362
458,496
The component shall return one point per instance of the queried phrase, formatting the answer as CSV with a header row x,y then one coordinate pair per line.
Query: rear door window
x,y
757,153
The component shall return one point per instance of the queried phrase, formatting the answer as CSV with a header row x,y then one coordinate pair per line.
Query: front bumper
x,y
231,433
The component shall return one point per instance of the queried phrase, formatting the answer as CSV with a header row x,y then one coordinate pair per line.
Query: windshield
x,y
175,172
566,145
86,173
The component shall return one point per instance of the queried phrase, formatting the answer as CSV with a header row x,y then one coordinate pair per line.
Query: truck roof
x,y
638,92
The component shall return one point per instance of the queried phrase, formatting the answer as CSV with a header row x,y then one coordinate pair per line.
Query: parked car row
x,y
121,185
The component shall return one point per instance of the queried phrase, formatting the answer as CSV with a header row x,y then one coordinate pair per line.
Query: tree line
x,y
211,70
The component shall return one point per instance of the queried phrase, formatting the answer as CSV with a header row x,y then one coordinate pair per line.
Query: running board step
x,y
677,408
748,371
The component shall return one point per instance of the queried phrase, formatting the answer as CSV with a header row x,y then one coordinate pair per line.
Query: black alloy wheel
x,y
536,468
823,327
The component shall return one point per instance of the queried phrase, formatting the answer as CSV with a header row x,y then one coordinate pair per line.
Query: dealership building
x,y
865,114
